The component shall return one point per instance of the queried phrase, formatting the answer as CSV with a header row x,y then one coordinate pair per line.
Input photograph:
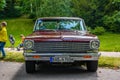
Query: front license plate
x,y
61,59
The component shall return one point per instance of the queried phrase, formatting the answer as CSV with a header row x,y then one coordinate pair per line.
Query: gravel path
x,y
13,50
108,54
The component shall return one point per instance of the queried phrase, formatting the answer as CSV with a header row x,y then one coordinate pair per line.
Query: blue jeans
x,y
2,44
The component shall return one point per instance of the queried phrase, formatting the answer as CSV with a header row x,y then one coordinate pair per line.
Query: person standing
x,y
21,44
3,37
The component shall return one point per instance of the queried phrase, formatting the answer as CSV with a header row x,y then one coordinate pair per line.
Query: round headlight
x,y
28,44
94,44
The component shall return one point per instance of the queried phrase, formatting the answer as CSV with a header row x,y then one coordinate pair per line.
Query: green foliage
x,y
11,10
91,10
26,8
2,4
52,8
98,13
98,30
112,22
32,16
89,29
81,8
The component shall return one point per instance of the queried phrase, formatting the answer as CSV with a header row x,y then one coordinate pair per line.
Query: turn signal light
x,y
36,57
87,56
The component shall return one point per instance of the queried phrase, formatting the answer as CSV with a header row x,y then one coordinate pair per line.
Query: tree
x,y
103,13
52,8
2,4
11,10
83,9
112,19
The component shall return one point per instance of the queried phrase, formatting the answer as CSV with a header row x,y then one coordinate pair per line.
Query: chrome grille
x,y
61,46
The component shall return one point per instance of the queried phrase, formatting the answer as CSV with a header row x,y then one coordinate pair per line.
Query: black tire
x,y
92,66
30,66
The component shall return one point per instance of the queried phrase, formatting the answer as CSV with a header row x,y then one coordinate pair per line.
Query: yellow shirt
x,y
3,34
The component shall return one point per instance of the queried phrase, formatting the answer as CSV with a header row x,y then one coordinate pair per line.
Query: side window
x,y
37,25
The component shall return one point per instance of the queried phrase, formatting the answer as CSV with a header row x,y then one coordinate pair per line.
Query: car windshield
x,y
59,25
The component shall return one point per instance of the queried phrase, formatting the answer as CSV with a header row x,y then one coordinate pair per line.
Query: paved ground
x,y
13,50
16,71
110,54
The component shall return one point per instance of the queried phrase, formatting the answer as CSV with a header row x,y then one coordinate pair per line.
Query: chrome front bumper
x,y
71,56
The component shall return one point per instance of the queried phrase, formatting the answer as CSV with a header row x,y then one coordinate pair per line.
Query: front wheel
x,y
92,66
30,66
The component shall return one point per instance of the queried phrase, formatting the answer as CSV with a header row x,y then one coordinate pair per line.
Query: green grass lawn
x,y
110,42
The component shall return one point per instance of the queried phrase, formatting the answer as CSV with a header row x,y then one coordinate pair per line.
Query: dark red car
x,y
61,40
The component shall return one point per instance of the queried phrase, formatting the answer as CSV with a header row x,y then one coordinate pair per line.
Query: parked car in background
x,y
61,40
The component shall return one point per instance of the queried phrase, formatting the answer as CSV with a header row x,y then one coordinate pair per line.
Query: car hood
x,y
61,36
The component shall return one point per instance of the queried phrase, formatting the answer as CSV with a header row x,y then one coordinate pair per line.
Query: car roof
x,y
59,18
